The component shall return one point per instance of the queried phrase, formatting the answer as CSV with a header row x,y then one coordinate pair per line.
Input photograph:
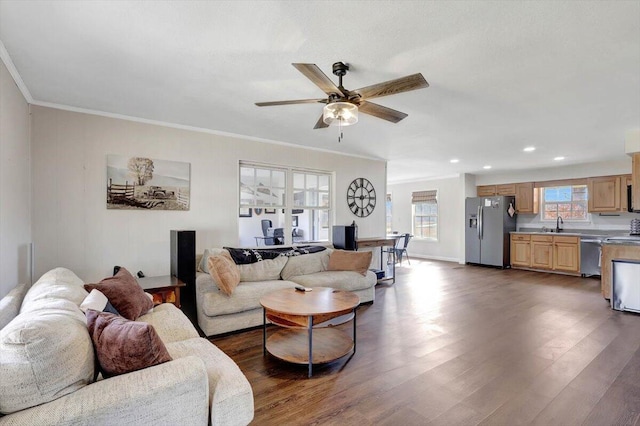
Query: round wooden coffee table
x,y
306,320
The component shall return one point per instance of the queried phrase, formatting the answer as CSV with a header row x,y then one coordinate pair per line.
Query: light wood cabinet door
x,y
486,190
520,250
525,199
566,254
625,180
604,194
506,189
542,252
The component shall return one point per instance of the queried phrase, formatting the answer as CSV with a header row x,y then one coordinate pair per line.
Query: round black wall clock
x,y
361,197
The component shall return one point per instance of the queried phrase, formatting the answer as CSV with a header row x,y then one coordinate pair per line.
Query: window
x,y
568,202
388,208
281,205
425,214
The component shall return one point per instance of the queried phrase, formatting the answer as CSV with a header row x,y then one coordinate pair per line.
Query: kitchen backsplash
x,y
614,223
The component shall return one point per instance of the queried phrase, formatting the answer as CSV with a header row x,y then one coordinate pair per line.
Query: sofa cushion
x,y
45,353
123,346
124,293
203,265
230,393
170,323
343,280
264,270
306,264
10,304
343,260
58,283
245,298
225,272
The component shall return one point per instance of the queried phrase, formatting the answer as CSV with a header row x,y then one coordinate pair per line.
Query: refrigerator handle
x,y
479,222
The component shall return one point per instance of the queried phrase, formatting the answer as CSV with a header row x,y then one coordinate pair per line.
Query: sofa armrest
x,y
175,392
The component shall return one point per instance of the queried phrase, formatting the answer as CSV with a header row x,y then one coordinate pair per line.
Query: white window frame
x,y
543,204
388,209
418,199
288,203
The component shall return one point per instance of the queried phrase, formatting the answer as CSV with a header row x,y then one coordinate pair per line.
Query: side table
x,y
165,288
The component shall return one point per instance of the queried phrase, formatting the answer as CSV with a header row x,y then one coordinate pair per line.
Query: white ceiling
x,y
561,76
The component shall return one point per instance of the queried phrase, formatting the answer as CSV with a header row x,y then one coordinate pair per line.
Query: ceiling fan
x,y
342,105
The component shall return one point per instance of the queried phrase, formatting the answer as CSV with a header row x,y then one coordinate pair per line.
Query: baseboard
x,y
442,258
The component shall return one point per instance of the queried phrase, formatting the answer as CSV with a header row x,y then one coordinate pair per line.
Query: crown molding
x,y
194,129
4,55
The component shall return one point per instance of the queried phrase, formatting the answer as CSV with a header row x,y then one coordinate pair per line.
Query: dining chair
x,y
402,251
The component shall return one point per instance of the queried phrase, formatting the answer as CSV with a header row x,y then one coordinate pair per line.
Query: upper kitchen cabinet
x,y
604,194
506,189
625,180
486,190
526,202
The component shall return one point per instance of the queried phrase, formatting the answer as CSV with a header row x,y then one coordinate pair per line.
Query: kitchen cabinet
x,y
506,189
542,251
604,194
625,180
486,190
526,202
566,254
546,252
521,250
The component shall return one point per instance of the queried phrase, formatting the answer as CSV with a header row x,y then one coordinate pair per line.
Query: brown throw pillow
x,y
123,346
224,271
342,260
124,293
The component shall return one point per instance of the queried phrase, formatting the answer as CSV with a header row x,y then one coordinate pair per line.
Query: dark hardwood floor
x,y
463,345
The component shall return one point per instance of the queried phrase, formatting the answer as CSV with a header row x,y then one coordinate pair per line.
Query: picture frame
x,y
294,221
269,211
297,211
245,212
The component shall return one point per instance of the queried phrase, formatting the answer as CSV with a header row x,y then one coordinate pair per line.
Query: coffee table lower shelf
x,y
292,345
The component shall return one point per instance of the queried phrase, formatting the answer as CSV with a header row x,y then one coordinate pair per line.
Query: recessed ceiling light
x,y
486,167
454,160
558,159
529,149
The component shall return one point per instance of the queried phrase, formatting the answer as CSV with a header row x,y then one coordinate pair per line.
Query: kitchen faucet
x,y
559,222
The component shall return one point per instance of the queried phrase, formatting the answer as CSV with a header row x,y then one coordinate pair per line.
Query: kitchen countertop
x,y
608,237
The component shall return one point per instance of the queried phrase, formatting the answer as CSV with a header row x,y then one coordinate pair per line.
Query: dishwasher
x,y
590,254
625,291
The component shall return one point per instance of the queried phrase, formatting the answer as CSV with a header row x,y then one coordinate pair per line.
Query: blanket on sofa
x,y
245,256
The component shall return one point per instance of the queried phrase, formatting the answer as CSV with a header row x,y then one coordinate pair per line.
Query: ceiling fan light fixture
x,y
342,113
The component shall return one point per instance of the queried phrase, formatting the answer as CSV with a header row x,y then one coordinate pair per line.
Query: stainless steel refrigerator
x,y
488,223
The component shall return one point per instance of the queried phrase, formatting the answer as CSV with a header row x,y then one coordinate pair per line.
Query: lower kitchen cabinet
x,y
566,254
520,250
546,252
541,252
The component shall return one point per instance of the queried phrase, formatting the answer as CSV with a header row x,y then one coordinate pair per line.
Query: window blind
x,y
424,197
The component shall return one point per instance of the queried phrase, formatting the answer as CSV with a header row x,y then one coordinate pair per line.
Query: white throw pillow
x,y
10,304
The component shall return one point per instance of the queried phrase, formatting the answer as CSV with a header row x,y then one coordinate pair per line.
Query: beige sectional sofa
x,y
48,369
219,313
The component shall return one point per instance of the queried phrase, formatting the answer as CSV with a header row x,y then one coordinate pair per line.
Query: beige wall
x,y
73,228
450,202
15,185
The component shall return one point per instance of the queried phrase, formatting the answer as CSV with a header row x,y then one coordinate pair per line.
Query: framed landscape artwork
x,y
135,183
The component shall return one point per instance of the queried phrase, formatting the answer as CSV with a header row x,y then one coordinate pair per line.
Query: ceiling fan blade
x,y
299,101
381,111
391,87
320,124
320,79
